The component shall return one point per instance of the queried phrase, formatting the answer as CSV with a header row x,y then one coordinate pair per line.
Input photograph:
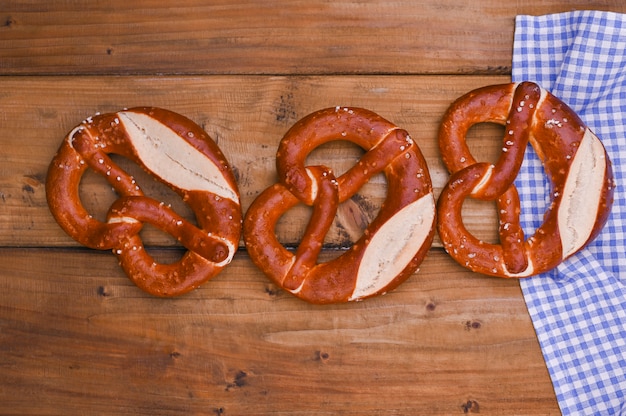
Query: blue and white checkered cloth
x,y
579,309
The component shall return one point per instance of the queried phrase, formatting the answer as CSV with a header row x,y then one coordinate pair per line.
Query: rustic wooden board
x,y
77,337
243,37
246,115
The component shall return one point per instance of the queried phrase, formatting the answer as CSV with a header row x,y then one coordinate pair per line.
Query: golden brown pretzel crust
x,y
177,152
393,245
574,159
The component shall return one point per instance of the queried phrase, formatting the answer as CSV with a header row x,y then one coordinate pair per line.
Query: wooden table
x,y
77,337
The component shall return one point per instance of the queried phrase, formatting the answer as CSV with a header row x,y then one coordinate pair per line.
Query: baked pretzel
x,y
574,159
178,153
394,243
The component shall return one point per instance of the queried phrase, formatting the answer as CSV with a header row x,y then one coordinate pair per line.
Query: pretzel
x,y
574,159
394,243
178,153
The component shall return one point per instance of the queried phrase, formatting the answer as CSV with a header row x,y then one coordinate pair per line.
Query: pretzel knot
x,y
394,243
574,159
178,153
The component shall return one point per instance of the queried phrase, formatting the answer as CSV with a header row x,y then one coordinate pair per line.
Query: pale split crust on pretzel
x,y
577,165
178,153
392,246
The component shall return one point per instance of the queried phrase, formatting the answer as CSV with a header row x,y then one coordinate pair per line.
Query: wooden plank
x,y
246,115
252,37
77,337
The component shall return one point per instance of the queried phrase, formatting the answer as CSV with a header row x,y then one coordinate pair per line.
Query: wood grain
x,y
251,37
246,115
84,339
77,337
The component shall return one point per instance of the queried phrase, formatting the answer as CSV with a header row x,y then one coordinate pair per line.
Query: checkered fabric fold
x,y
579,309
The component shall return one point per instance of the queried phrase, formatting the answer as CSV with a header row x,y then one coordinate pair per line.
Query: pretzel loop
x,y
578,169
178,153
363,270
382,140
